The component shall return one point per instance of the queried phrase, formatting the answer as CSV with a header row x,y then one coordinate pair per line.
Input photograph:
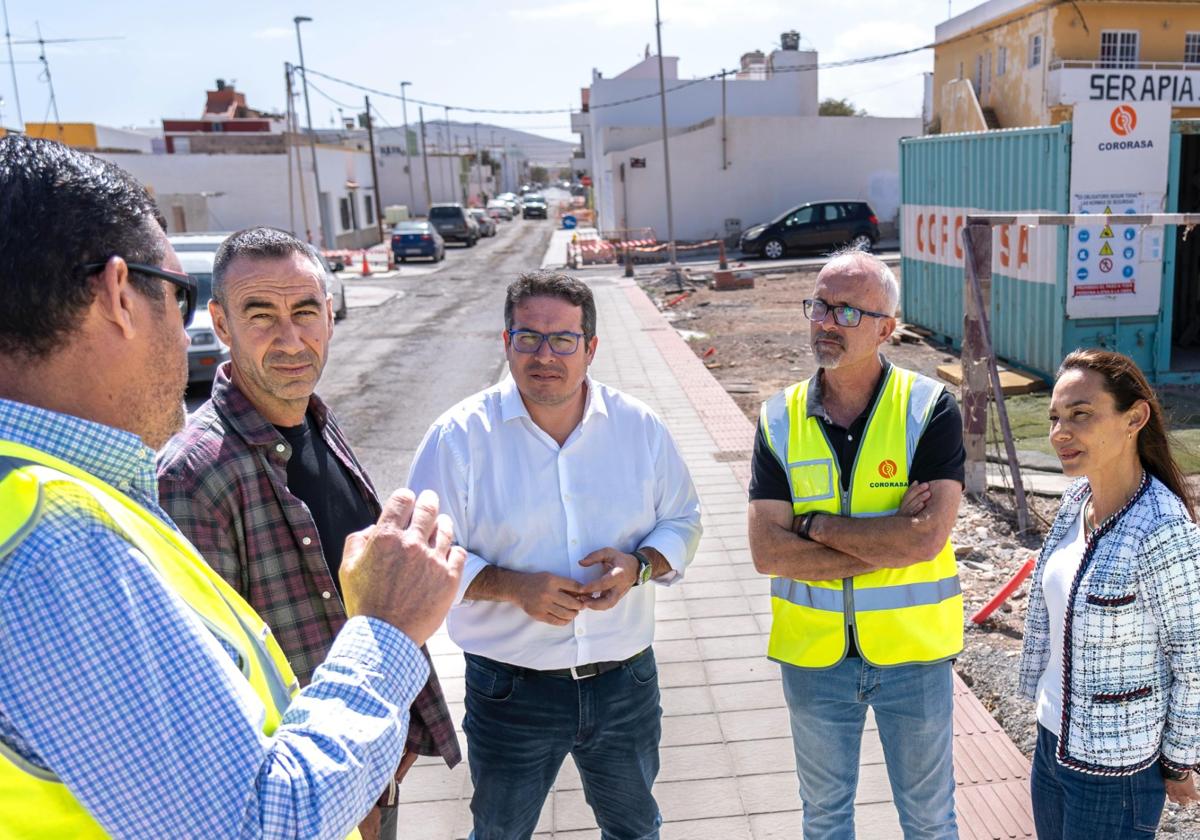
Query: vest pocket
x,y
812,481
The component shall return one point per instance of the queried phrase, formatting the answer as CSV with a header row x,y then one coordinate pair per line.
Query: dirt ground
x,y
755,342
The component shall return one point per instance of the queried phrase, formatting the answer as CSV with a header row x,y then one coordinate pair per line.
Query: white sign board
x,y
1071,85
1119,160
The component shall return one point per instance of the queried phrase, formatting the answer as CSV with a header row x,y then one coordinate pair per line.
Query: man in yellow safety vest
x,y
140,696
855,485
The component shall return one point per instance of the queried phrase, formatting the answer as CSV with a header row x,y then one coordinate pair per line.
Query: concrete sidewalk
x,y
728,772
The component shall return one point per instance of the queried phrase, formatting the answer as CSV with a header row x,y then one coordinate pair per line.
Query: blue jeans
x,y
1071,805
520,726
913,707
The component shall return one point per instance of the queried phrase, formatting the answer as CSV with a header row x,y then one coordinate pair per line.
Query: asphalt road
x,y
395,367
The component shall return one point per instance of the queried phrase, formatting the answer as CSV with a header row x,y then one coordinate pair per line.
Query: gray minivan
x,y
454,223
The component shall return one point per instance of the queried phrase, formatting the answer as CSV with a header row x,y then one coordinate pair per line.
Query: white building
x,y
742,150
225,192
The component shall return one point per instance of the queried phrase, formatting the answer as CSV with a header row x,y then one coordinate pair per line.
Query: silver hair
x,y
885,275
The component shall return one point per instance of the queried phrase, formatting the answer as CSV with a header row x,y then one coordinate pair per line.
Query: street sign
x,y
569,222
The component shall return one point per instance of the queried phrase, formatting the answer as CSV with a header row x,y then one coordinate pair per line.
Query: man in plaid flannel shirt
x,y
262,480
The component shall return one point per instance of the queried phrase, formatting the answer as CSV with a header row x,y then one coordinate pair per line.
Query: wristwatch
x,y
645,568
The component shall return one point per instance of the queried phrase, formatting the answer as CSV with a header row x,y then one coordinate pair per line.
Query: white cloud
x,y
273,33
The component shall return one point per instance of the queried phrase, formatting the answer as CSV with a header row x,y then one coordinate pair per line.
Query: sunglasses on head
x,y
185,284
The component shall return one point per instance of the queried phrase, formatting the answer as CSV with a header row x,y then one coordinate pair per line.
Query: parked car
x,y
454,223
487,226
513,201
498,207
816,226
206,351
417,238
535,207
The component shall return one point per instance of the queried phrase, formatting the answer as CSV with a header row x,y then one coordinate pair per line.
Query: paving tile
x,y
681,730
697,800
718,828
748,696
689,700
724,625
710,573
670,610
709,607
430,820
748,669
733,647
769,792
680,650
716,589
754,725
675,674
697,761
665,631
434,782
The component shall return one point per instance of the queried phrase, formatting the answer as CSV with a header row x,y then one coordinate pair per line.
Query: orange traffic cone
x,y
366,269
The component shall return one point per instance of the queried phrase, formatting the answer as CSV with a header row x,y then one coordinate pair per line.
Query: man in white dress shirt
x,y
570,498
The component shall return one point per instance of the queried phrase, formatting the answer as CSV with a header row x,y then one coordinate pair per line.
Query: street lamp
x,y
312,138
412,193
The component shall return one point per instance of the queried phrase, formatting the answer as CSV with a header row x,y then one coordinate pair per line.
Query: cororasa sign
x,y
933,234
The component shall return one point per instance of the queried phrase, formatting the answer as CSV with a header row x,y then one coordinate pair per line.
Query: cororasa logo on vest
x,y
888,469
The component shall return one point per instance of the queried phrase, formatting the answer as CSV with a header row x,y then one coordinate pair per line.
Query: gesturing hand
x,y
404,569
1183,792
549,598
620,571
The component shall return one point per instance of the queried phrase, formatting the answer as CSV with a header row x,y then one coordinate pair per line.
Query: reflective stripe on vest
x,y
33,802
899,616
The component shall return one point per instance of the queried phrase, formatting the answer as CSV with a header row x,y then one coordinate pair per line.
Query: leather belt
x,y
577,672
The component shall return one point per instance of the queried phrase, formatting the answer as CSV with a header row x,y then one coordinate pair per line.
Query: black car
x,y
454,223
816,226
535,207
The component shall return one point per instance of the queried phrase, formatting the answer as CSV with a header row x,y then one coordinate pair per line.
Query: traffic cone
x,y
366,269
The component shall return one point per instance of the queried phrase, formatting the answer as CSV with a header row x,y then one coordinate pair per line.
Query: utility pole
x,y
312,138
412,193
12,65
374,167
425,161
287,82
450,149
292,132
479,166
673,267
724,156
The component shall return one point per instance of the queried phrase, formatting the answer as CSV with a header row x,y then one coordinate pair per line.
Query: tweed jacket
x,y
223,480
1131,658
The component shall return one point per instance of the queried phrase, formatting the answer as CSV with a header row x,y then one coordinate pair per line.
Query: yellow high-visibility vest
x,y
34,803
899,616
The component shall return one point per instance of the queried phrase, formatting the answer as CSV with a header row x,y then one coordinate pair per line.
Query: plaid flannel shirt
x,y
223,480
1131,655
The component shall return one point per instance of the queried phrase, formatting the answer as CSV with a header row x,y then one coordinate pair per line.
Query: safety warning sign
x,y
1119,162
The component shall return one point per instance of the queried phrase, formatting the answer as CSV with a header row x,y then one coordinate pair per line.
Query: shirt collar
x,y
512,405
245,419
814,403
115,456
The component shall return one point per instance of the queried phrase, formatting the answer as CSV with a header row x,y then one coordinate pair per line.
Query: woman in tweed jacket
x,y
1112,639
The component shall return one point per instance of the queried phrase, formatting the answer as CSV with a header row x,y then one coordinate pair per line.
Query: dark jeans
x,y
1071,805
520,726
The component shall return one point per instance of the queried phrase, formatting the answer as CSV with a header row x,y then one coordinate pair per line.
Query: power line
x,y
828,65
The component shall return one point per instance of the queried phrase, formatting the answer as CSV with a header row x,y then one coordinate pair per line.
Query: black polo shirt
x,y
939,454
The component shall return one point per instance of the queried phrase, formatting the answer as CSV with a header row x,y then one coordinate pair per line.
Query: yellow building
x,y
1013,63
91,137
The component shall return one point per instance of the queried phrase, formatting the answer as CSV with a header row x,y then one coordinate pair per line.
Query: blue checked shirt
x,y
108,680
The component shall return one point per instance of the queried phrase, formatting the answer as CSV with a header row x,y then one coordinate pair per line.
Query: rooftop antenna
x,y
12,65
45,75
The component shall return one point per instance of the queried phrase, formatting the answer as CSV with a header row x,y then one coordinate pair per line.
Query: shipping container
x,y
945,178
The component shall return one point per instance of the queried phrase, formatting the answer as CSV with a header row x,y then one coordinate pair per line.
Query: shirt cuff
x,y
397,666
472,567
673,549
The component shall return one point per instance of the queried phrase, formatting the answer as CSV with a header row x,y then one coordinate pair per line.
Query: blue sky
x,y
514,54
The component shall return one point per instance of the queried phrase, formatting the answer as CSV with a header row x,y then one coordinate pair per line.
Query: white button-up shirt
x,y
520,501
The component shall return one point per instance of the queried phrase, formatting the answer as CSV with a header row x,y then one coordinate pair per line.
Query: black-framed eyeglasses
x,y
185,284
531,341
816,309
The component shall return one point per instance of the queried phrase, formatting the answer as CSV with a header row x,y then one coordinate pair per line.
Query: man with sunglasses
x,y
855,485
265,484
571,500
140,696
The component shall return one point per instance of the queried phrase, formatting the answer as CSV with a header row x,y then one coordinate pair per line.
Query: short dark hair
x,y
545,283
59,210
261,242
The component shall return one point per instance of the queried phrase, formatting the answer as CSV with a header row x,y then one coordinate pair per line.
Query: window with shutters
x,y
1118,48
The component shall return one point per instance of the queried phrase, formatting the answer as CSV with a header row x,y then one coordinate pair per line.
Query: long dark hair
x,y
1127,384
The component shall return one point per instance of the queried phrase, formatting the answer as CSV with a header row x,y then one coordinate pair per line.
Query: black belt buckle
x,y
583,672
